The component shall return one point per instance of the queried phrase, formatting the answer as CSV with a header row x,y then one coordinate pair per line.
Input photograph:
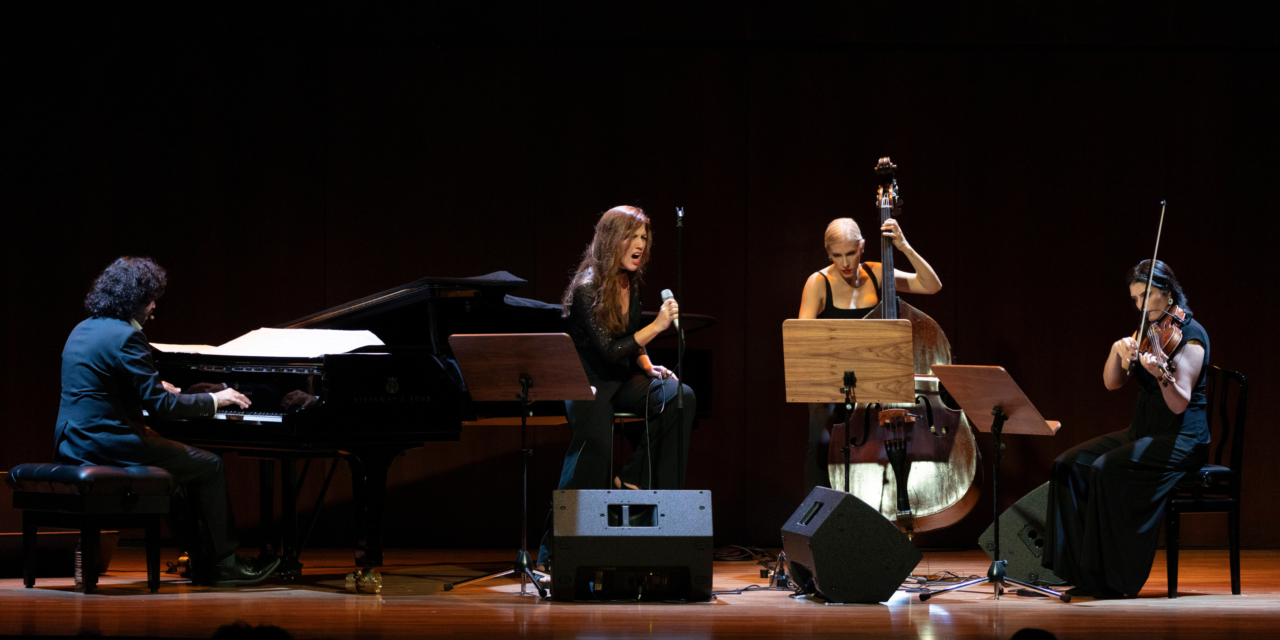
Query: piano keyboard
x,y
249,416
239,415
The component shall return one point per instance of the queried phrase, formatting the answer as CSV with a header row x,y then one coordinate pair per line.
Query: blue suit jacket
x,y
108,378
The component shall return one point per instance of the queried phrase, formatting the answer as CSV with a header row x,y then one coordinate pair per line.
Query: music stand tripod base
x,y
992,386
523,567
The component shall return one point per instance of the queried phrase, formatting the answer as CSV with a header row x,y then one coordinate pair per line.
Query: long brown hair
x,y
602,261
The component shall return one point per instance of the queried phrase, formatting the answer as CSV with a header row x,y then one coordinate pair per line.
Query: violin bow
x,y
1142,325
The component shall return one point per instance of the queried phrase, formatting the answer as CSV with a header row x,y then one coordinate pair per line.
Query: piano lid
x,y
426,312
495,284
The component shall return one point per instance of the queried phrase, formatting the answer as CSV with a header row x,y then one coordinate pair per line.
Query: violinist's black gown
x,y
1107,495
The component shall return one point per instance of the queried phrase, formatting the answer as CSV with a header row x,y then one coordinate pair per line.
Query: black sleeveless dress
x,y
820,413
1106,495
831,312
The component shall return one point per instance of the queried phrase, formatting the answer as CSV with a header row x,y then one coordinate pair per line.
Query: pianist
x,y
108,379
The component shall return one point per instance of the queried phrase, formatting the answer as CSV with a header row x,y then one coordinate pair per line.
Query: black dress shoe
x,y
1107,593
1080,592
242,572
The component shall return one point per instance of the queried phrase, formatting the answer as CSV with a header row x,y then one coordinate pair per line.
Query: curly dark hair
x,y
125,288
1162,278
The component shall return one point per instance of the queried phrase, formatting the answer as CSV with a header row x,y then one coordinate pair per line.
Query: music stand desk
x,y
819,356
520,367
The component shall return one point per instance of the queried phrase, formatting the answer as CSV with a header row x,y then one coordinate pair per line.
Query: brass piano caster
x,y
364,581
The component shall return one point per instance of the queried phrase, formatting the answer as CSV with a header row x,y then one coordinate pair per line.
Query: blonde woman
x,y
849,289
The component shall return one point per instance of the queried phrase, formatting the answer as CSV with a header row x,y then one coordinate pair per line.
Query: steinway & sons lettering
x,y
395,399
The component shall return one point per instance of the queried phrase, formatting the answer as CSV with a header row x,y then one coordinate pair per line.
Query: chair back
x,y
1221,388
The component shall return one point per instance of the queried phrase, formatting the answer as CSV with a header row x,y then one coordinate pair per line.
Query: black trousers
x,y
656,455
199,472
816,471
1106,498
659,455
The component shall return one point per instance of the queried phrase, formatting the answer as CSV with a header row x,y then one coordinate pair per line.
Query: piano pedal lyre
x,y
364,581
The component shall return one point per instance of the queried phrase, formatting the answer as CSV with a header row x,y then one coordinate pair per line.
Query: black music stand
x,y
521,367
982,387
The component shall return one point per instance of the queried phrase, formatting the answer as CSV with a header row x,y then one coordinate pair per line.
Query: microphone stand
x,y
680,349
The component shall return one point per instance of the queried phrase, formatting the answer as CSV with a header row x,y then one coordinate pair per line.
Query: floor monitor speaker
x,y
1022,538
841,548
624,544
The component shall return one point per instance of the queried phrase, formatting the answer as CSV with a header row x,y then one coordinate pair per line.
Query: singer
x,y
850,288
602,305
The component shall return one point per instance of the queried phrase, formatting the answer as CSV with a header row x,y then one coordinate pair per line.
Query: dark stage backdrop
x,y
278,164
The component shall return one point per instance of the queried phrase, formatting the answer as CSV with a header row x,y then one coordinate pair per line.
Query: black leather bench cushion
x,y
1206,475
90,480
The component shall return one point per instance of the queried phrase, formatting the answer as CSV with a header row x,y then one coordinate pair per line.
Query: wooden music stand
x,y
848,361
997,404
520,367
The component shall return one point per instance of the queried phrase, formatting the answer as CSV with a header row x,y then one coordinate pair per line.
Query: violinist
x,y
1106,495
849,289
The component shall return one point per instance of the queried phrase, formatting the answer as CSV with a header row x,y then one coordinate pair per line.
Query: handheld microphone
x,y
667,295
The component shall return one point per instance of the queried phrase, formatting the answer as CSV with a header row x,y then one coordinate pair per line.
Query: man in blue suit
x,y
109,378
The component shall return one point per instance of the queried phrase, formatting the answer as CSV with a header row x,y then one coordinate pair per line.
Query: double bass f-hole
x,y
928,413
866,424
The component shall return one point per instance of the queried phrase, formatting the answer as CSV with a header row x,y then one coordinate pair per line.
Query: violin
x,y
1166,336
915,463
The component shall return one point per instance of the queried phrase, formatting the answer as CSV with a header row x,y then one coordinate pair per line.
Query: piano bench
x,y
91,499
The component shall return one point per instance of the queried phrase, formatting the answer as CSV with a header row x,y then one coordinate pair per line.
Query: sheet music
x,y
283,343
296,343
183,348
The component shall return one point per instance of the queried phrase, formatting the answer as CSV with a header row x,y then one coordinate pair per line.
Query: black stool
x,y
90,498
620,420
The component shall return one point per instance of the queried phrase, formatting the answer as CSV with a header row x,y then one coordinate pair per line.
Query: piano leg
x,y
369,488
290,568
267,506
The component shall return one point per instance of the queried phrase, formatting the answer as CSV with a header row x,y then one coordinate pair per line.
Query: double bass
x,y
917,463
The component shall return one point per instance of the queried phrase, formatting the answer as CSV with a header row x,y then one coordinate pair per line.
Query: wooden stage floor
x,y
412,604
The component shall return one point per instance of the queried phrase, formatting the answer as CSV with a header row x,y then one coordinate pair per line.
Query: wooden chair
x,y
91,499
1213,488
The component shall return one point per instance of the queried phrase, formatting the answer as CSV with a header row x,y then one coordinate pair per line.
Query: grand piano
x,y
370,406
367,407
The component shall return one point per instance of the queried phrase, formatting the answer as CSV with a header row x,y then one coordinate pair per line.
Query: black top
x,y
1152,415
831,312
604,356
